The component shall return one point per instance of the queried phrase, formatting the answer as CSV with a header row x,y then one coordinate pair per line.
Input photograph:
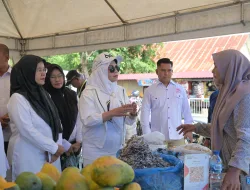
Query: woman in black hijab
x,y
34,115
65,100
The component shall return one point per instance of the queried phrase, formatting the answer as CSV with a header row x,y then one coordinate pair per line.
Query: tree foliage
x,y
136,59
66,61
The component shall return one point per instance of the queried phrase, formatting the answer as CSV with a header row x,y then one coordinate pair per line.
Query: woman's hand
x,y
134,112
186,128
232,179
69,151
58,153
122,111
117,112
54,158
76,146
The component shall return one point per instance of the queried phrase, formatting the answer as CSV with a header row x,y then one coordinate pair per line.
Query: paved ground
x,y
200,118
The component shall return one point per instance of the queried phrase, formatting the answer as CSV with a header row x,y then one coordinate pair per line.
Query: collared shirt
x,y
168,106
4,98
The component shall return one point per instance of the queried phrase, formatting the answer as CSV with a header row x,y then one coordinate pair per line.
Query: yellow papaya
x,y
131,186
51,171
108,171
86,172
47,182
28,181
2,182
72,179
10,186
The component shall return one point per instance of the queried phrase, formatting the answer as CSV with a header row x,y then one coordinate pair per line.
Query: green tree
x,y
66,61
136,59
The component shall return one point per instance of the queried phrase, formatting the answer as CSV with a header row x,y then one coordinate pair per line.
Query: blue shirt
x,y
212,100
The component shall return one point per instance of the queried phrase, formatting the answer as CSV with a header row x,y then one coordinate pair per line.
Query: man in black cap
x,y
77,80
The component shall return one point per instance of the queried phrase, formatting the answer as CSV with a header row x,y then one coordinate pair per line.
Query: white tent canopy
x,y
49,27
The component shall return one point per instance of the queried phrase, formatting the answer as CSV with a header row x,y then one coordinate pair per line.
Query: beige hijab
x,y
234,70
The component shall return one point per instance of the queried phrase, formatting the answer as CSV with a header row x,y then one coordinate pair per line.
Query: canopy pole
x,y
113,9
11,17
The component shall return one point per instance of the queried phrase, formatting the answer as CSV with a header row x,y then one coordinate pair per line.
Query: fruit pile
x,y
105,173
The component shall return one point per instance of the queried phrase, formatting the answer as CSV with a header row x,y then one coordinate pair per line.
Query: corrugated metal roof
x,y
196,54
192,58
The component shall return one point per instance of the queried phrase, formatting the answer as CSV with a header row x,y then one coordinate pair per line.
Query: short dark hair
x,y
164,61
4,49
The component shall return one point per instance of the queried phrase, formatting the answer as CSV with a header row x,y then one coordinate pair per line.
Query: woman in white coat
x,y
66,102
104,110
3,163
33,114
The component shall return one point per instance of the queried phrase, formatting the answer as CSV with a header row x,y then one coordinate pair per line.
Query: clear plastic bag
x,y
192,148
154,138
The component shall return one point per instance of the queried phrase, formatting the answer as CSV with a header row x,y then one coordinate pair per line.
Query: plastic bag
x,y
161,178
130,131
192,148
154,138
69,161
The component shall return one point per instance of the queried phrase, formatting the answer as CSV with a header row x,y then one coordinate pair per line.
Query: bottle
x,y
215,171
81,161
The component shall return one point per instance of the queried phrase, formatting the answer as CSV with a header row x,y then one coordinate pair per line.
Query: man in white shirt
x,y
168,104
4,93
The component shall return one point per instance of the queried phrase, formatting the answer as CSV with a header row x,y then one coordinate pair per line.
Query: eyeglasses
x,y
40,70
56,77
112,68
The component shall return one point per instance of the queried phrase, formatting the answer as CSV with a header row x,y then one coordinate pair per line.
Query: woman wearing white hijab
x,y
3,163
104,110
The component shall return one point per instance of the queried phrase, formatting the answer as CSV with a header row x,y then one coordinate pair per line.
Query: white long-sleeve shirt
x,y
4,163
77,131
4,99
31,139
167,105
100,138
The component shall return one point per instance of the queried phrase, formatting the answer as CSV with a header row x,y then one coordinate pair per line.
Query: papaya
x,y
47,182
10,186
131,186
71,170
108,171
72,179
86,172
2,182
51,171
28,181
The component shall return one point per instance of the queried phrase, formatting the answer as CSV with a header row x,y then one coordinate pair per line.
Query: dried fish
x,y
138,155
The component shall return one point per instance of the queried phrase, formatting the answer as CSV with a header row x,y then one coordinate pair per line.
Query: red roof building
x,y
192,58
192,62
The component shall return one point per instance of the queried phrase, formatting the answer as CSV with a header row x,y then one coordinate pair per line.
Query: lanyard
x,y
80,90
